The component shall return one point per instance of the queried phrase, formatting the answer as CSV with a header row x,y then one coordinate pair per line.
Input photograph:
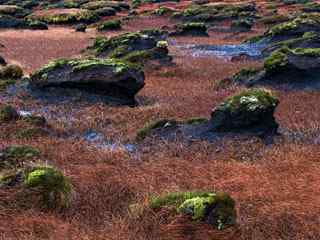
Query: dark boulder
x,y
112,78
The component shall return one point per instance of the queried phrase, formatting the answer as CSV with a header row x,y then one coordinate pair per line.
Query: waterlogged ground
x,y
275,183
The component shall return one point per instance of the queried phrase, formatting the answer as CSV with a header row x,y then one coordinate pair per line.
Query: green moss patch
x,y
54,188
216,209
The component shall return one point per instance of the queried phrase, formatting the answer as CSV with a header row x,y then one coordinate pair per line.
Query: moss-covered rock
x,y
162,11
294,28
274,19
83,16
106,11
190,29
109,25
123,44
110,77
251,110
285,61
217,209
95,5
8,113
244,74
14,11
7,21
55,189
308,40
276,62
242,25
311,7
37,25
216,12
15,156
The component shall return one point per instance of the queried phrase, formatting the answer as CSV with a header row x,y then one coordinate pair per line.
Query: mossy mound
x,y
289,61
291,2
123,44
244,76
311,7
112,78
274,19
294,28
162,11
83,16
155,125
217,209
55,189
216,12
8,113
242,25
109,25
106,11
191,29
96,5
308,40
14,156
14,11
37,25
251,110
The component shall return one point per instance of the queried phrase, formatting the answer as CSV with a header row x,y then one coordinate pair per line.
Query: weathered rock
x,y
248,111
113,78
